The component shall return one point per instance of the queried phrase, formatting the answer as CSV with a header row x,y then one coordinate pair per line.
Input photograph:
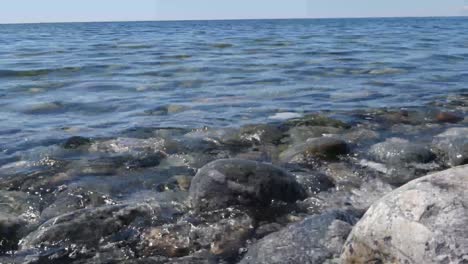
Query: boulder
x,y
232,182
316,239
423,221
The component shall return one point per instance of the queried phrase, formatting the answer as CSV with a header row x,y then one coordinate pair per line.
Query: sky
x,y
34,11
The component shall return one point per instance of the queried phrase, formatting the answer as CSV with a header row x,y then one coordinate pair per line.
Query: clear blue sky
x,y
19,11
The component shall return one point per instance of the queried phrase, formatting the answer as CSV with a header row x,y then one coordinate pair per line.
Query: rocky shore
x,y
370,186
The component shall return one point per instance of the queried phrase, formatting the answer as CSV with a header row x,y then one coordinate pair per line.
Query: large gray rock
x,y
314,240
424,221
231,182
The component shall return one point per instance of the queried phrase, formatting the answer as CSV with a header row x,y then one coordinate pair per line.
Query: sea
x,y
97,80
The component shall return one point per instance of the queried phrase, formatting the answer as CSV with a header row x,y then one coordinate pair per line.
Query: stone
x,y
400,151
448,117
90,227
223,235
76,142
316,120
423,221
231,182
316,239
327,148
18,214
453,146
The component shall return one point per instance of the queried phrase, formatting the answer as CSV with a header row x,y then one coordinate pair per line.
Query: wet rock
x,y
297,135
448,117
453,146
266,229
314,240
227,182
131,146
262,134
90,228
400,151
222,237
76,142
18,213
424,221
69,200
316,120
327,148
313,182
360,136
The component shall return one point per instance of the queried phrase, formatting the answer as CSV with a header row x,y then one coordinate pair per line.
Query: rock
x,y
66,201
453,146
327,148
400,151
90,228
76,142
227,182
316,120
314,240
300,134
18,213
448,117
262,134
313,182
222,236
423,221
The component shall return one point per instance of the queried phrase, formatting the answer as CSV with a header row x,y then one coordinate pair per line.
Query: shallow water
x,y
98,79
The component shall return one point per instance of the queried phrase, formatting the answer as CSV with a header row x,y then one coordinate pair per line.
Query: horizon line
x,y
225,19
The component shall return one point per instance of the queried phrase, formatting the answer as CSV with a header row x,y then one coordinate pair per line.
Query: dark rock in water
x,y
227,182
448,117
262,134
316,120
300,134
69,200
327,148
145,161
76,142
424,221
453,146
400,151
18,214
90,228
222,237
316,239
313,182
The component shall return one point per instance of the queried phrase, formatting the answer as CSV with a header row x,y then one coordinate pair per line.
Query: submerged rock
x,y
327,148
89,228
422,222
448,117
76,142
316,120
227,182
314,240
